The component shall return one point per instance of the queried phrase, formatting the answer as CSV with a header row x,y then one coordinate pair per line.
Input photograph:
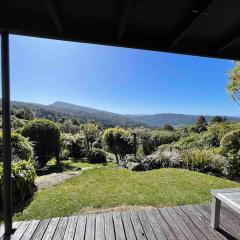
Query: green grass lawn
x,y
109,187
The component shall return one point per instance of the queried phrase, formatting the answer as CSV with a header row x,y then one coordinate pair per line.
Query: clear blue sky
x,y
117,79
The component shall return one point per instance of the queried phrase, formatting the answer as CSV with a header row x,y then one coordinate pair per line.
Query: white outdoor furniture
x,y
230,197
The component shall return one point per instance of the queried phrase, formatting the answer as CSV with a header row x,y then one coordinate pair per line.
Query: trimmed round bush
x,y
96,155
118,141
230,145
21,148
23,176
45,136
168,127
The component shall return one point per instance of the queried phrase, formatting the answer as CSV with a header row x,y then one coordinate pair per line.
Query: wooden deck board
x,y
172,223
109,227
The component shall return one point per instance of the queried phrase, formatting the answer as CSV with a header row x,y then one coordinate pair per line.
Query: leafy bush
x,y
204,161
191,141
165,137
144,141
201,122
17,123
23,176
45,135
91,131
96,155
21,148
168,127
72,145
230,145
217,131
169,156
118,141
64,154
217,119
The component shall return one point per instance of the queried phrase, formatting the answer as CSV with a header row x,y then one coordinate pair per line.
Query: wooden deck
x,y
185,223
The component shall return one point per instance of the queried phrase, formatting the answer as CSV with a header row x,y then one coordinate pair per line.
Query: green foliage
x,y
219,130
25,113
189,142
45,136
91,132
201,122
21,148
168,127
145,141
72,145
67,126
165,137
204,161
17,123
217,119
234,84
23,176
118,141
96,155
230,145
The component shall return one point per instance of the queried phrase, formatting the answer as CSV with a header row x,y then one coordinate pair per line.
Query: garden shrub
x,y
23,176
168,127
144,141
217,131
72,145
230,145
95,155
191,141
64,154
165,137
45,136
21,148
118,141
204,161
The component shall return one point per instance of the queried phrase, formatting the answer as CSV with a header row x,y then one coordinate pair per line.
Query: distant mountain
x,y
158,120
59,110
85,113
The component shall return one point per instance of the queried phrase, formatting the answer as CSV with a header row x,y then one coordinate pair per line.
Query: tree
x,y
118,141
145,141
67,126
201,121
168,127
234,84
91,131
26,113
217,119
45,136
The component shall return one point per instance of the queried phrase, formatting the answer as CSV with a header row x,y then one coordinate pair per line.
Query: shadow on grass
x,y
56,168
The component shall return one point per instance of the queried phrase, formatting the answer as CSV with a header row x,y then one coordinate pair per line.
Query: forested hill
x,y
62,110
158,120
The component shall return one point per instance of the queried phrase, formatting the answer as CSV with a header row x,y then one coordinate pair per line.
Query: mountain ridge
x,y
60,109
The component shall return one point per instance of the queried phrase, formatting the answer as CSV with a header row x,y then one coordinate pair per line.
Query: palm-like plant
x,y
234,85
